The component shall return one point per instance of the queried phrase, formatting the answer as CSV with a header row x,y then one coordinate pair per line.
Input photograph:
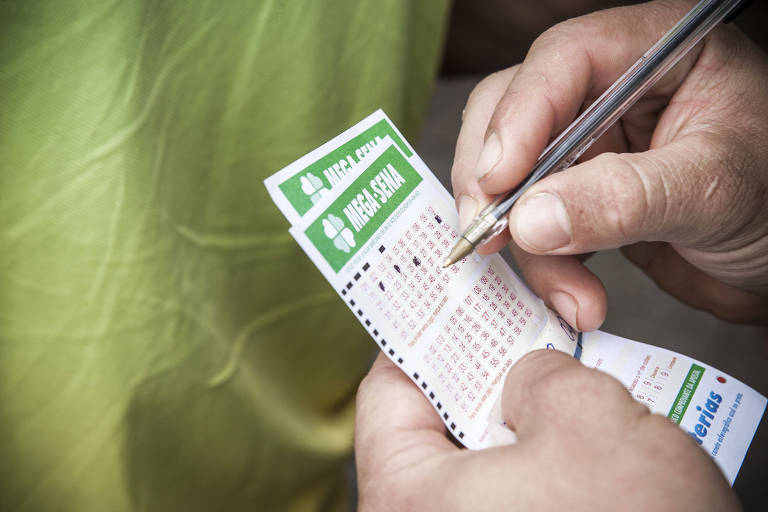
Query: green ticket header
x,y
350,221
307,186
687,390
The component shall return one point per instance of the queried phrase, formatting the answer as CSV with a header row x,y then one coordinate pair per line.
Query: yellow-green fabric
x,y
164,343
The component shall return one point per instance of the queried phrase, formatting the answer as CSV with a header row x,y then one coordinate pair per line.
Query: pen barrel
x,y
617,99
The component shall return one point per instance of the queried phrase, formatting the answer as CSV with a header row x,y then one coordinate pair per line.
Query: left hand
x,y
583,444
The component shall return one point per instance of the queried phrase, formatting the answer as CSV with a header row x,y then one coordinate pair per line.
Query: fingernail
x,y
543,223
467,211
566,305
489,156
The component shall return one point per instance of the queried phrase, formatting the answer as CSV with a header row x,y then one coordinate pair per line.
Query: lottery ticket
x,y
379,235
380,241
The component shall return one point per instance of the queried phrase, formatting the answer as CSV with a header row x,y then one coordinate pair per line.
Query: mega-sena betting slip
x,y
377,223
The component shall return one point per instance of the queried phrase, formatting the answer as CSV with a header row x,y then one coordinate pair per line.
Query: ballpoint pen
x,y
596,119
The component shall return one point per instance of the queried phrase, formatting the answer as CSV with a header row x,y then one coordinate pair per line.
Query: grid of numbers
x,y
408,284
478,341
480,334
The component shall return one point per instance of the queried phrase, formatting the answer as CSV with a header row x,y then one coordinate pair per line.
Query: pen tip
x,y
461,249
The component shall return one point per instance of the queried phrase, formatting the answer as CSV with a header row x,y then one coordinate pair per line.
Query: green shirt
x,y
164,343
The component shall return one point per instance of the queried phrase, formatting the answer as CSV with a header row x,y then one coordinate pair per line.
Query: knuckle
x,y
547,84
560,35
625,197
555,383
545,376
596,383
479,92
567,40
485,95
731,177
580,388
580,26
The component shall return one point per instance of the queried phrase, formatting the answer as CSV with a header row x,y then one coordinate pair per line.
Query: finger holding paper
x,y
568,418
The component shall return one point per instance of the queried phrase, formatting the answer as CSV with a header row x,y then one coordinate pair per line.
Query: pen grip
x,y
619,97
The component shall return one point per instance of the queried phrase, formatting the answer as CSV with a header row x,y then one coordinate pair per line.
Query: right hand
x,y
680,183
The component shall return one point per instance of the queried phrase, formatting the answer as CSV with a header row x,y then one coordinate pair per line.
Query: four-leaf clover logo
x,y
313,187
334,229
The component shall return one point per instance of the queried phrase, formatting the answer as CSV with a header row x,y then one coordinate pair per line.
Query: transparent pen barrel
x,y
644,73
617,99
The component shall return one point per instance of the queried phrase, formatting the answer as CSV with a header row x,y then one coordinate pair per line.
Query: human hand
x,y
680,183
583,444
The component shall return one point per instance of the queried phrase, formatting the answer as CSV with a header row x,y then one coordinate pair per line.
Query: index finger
x,y
470,198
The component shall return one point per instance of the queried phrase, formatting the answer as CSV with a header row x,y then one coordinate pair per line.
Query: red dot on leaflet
x,y
721,379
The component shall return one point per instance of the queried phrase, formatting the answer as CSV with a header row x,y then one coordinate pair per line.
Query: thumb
x,y
549,394
669,193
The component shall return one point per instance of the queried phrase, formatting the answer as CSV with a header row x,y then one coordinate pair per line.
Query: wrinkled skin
x,y
583,444
680,183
